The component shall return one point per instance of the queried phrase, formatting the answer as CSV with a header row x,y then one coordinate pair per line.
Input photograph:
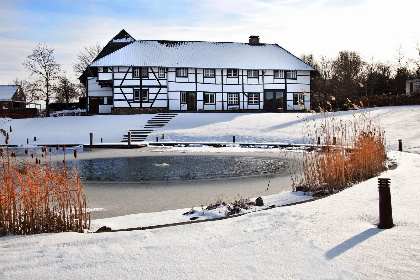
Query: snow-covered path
x,y
331,238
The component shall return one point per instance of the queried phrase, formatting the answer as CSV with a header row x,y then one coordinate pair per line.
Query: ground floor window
x,y
233,98
298,99
5,105
183,97
209,98
141,94
253,98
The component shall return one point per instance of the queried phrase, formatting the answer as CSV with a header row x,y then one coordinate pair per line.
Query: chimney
x,y
254,40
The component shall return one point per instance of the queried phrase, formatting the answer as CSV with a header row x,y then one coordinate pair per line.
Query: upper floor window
x,y
182,72
105,70
291,74
252,73
143,71
279,74
209,73
232,73
161,72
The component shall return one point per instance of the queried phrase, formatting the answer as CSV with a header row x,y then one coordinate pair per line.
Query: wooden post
x,y
157,139
334,140
129,138
34,138
10,129
27,140
91,139
400,145
234,140
319,141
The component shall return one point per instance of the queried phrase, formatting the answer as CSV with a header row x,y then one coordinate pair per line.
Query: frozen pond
x,y
130,185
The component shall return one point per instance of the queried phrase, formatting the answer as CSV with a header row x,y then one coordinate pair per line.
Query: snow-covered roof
x,y
7,92
193,54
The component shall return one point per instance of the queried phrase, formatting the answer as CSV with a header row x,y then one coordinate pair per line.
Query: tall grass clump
x,y
38,197
345,152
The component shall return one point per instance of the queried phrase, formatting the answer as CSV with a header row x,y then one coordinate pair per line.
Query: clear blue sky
x,y
323,27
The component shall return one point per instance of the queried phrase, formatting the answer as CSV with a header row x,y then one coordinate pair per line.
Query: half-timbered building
x,y
140,76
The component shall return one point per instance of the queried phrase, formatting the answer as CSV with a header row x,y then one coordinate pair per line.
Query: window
x,y
298,99
142,95
182,72
233,98
5,105
252,73
136,72
183,97
279,74
232,73
161,72
140,70
209,98
105,70
291,74
253,98
209,73
110,100
144,72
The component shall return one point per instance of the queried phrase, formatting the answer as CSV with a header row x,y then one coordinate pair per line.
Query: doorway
x,y
93,105
274,101
191,101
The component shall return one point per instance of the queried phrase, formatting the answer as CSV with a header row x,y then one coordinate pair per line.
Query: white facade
x,y
150,76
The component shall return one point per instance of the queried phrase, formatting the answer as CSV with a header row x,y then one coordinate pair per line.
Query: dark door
x,y
191,101
273,101
93,105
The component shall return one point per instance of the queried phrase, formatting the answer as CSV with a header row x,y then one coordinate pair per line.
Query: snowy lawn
x,y
331,238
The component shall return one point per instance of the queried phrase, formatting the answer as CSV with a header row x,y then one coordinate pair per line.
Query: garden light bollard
x,y
385,208
400,145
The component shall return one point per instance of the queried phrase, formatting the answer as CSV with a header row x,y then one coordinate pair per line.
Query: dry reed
x,y
39,197
344,153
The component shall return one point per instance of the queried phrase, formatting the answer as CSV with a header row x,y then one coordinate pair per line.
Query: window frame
x,y
280,74
251,73
181,72
136,72
291,75
183,97
5,105
161,72
232,73
209,73
233,99
209,98
296,98
141,95
253,98
144,72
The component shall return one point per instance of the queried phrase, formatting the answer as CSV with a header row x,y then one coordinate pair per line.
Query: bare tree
x,y
65,91
41,63
85,58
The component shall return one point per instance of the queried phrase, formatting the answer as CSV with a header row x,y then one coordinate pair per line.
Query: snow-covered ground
x,y
331,238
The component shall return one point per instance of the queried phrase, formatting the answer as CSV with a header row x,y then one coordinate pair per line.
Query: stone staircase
x,y
158,121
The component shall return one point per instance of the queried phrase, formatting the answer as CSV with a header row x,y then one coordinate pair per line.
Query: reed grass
x,y
39,197
344,153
